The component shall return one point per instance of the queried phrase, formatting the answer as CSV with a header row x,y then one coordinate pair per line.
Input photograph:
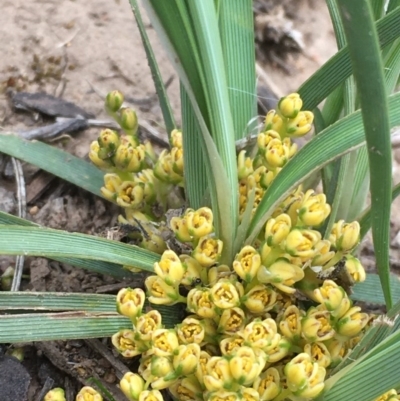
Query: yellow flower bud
x,y
230,345
355,269
304,378
96,160
112,183
151,395
146,177
170,268
201,370
261,334
338,350
129,159
88,393
193,270
314,209
244,366
290,323
177,160
352,322
323,253
302,243
276,154
163,169
161,366
164,342
268,385
176,138
273,121
218,374
130,302
186,359
199,222
279,351
224,295
108,143
114,101
259,299
231,321
246,263
187,389
390,395
125,343
56,394
180,229
345,236
130,195
290,105
147,324
316,326
208,251
223,395
281,274
264,138
199,302
245,165
153,242
301,124
160,292
129,121
319,353
131,385
191,331
276,230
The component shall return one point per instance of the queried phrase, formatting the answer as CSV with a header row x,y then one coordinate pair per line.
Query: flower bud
x,y
201,370
114,101
161,366
302,243
314,209
199,222
230,345
345,236
130,194
146,324
273,121
56,394
276,154
245,165
355,269
199,301
130,302
170,268
125,343
177,160
176,139
151,395
186,359
129,121
108,143
191,331
301,124
304,378
319,353
259,299
268,384
323,253
289,106
208,251
264,138
163,169
164,342
261,334
160,292
218,374
316,326
224,295
129,159
246,263
112,182
131,385
88,393
279,351
276,230
146,177
223,395
231,321
281,274
193,270
96,160
352,322
244,366
187,388
180,228
290,323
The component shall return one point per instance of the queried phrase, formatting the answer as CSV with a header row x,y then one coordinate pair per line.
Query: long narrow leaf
x,y
55,161
368,72
336,140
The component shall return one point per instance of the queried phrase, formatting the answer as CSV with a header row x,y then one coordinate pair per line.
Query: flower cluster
x,y
270,325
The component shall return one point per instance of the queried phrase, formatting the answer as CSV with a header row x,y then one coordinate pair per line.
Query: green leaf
x,y
60,326
367,64
55,161
344,136
166,109
338,67
37,241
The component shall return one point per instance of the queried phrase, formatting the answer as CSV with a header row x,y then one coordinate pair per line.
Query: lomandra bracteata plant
x,y
270,326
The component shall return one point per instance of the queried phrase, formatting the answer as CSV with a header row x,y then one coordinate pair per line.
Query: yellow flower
x,y
290,323
128,120
302,243
316,325
290,105
146,177
108,141
230,345
245,366
151,395
314,209
337,350
345,236
319,353
56,394
112,182
177,160
88,393
180,229
219,272
144,368
245,165
249,394
323,253
352,322
261,334
281,274
223,395
273,121
164,171
186,358
170,268
199,302
190,331
355,269
130,194
279,351
268,384
276,230
224,295
114,101
128,158
277,153
304,378
147,324
199,222
201,370
247,263
96,160
130,302
192,270
218,374
164,342
208,251
131,385
231,321
390,395
264,138
301,124
187,388
160,292
176,138
259,299
125,343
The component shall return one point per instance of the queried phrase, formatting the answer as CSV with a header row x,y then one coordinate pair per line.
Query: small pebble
x,y
33,210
